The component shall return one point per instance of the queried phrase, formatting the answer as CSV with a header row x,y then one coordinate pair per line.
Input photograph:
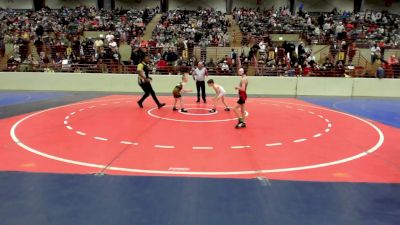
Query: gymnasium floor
x,y
97,158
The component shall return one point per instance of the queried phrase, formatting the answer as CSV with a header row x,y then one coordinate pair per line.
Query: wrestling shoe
x,y
160,105
240,125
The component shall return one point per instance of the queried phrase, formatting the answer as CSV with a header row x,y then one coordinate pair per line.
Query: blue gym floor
x,y
61,199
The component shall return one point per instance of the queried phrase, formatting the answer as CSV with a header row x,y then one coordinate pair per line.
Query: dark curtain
x,y
100,4
38,4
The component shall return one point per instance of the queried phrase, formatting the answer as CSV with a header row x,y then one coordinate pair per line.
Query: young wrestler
x,y
177,92
242,88
220,91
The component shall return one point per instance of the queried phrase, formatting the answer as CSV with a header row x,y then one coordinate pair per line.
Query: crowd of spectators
x,y
328,27
185,28
68,21
344,32
257,22
58,34
297,59
59,40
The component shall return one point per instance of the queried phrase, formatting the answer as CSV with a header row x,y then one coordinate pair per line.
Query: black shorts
x,y
242,98
241,101
176,94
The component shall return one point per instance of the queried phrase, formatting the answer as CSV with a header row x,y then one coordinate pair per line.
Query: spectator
x,y
12,63
39,30
99,43
157,58
380,72
137,55
224,66
57,59
334,49
375,53
2,47
39,45
352,52
171,57
161,64
109,37
233,56
393,60
211,65
262,47
382,46
307,69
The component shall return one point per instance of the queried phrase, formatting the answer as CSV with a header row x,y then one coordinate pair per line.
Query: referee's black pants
x,y
201,85
148,90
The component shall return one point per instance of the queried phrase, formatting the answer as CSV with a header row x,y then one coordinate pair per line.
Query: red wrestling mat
x,y
284,139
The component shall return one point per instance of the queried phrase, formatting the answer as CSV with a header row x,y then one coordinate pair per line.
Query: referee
x,y
145,82
199,75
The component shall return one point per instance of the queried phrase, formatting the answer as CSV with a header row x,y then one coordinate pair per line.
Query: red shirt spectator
x,y
152,43
306,70
393,60
161,64
349,26
143,44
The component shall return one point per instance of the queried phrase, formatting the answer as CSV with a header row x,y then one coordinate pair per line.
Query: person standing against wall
x,y
144,81
375,53
199,75
2,47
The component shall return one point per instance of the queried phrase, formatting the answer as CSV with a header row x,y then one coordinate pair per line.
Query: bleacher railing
x,y
392,71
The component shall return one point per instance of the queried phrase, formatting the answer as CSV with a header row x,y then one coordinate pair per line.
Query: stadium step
x,y
235,32
148,33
